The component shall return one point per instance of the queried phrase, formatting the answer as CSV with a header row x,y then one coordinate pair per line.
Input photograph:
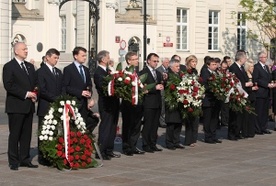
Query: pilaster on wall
x,y
5,34
107,24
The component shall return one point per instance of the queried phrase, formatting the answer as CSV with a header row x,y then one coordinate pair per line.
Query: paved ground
x,y
245,162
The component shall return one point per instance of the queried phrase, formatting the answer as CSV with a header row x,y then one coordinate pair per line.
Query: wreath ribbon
x,y
134,92
111,88
66,129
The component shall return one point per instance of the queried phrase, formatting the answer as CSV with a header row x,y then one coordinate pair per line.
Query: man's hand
x,y
159,87
86,93
90,104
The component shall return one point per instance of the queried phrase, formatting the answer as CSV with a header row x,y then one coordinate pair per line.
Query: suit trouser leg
x,y
262,105
135,130
207,114
20,127
188,132
169,135
126,125
176,133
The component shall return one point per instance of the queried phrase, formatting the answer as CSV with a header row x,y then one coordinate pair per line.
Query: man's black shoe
x,y
171,147
138,151
149,150
113,155
104,156
13,167
29,165
154,148
210,141
179,146
267,132
217,141
128,153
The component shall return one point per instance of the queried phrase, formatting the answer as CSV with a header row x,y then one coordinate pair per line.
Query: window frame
x,y
181,24
213,26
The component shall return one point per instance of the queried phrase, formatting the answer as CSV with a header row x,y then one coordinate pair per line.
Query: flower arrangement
x,y
238,102
185,93
221,83
64,140
126,84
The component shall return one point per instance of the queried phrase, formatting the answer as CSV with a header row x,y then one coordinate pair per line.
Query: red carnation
x,y
83,157
61,140
77,148
200,80
194,94
127,81
121,74
83,164
181,91
63,155
82,141
190,109
172,87
195,89
77,157
65,161
85,136
185,102
72,134
59,153
181,74
59,147
71,158
79,134
88,160
76,165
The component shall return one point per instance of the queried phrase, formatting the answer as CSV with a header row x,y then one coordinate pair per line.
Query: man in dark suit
x,y
108,108
262,76
151,104
131,115
209,104
77,81
164,71
183,68
19,82
50,87
237,128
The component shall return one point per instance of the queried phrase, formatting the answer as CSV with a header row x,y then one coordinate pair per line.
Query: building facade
x,y
198,27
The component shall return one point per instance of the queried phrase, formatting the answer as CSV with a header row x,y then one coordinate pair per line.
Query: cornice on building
x,y
133,16
20,12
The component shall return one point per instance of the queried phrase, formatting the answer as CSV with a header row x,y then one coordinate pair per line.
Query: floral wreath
x,y
126,84
64,140
185,93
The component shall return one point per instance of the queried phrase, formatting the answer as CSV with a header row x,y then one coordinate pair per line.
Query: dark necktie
x,y
24,68
265,69
154,74
81,73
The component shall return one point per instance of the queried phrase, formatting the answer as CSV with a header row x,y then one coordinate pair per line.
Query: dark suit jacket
x,y
183,68
209,99
50,87
74,84
242,76
106,103
263,79
153,98
17,83
172,116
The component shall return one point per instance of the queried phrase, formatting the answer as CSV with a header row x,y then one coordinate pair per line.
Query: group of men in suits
x,y
25,86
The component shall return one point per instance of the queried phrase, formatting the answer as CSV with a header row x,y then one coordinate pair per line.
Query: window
x,y
63,33
182,29
241,32
213,31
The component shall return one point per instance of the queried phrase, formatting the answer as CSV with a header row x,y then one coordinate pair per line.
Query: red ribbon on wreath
x,y
66,129
134,89
110,89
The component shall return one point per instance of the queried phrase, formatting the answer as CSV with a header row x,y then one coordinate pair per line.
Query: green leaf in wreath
x,y
119,67
143,77
131,69
150,86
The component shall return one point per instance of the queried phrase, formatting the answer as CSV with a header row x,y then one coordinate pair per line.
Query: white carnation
x,y
77,122
55,122
50,121
45,122
73,103
48,126
44,127
51,138
41,137
60,110
43,132
82,123
133,83
53,127
45,137
46,131
68,102
51,133
62,103
120,79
